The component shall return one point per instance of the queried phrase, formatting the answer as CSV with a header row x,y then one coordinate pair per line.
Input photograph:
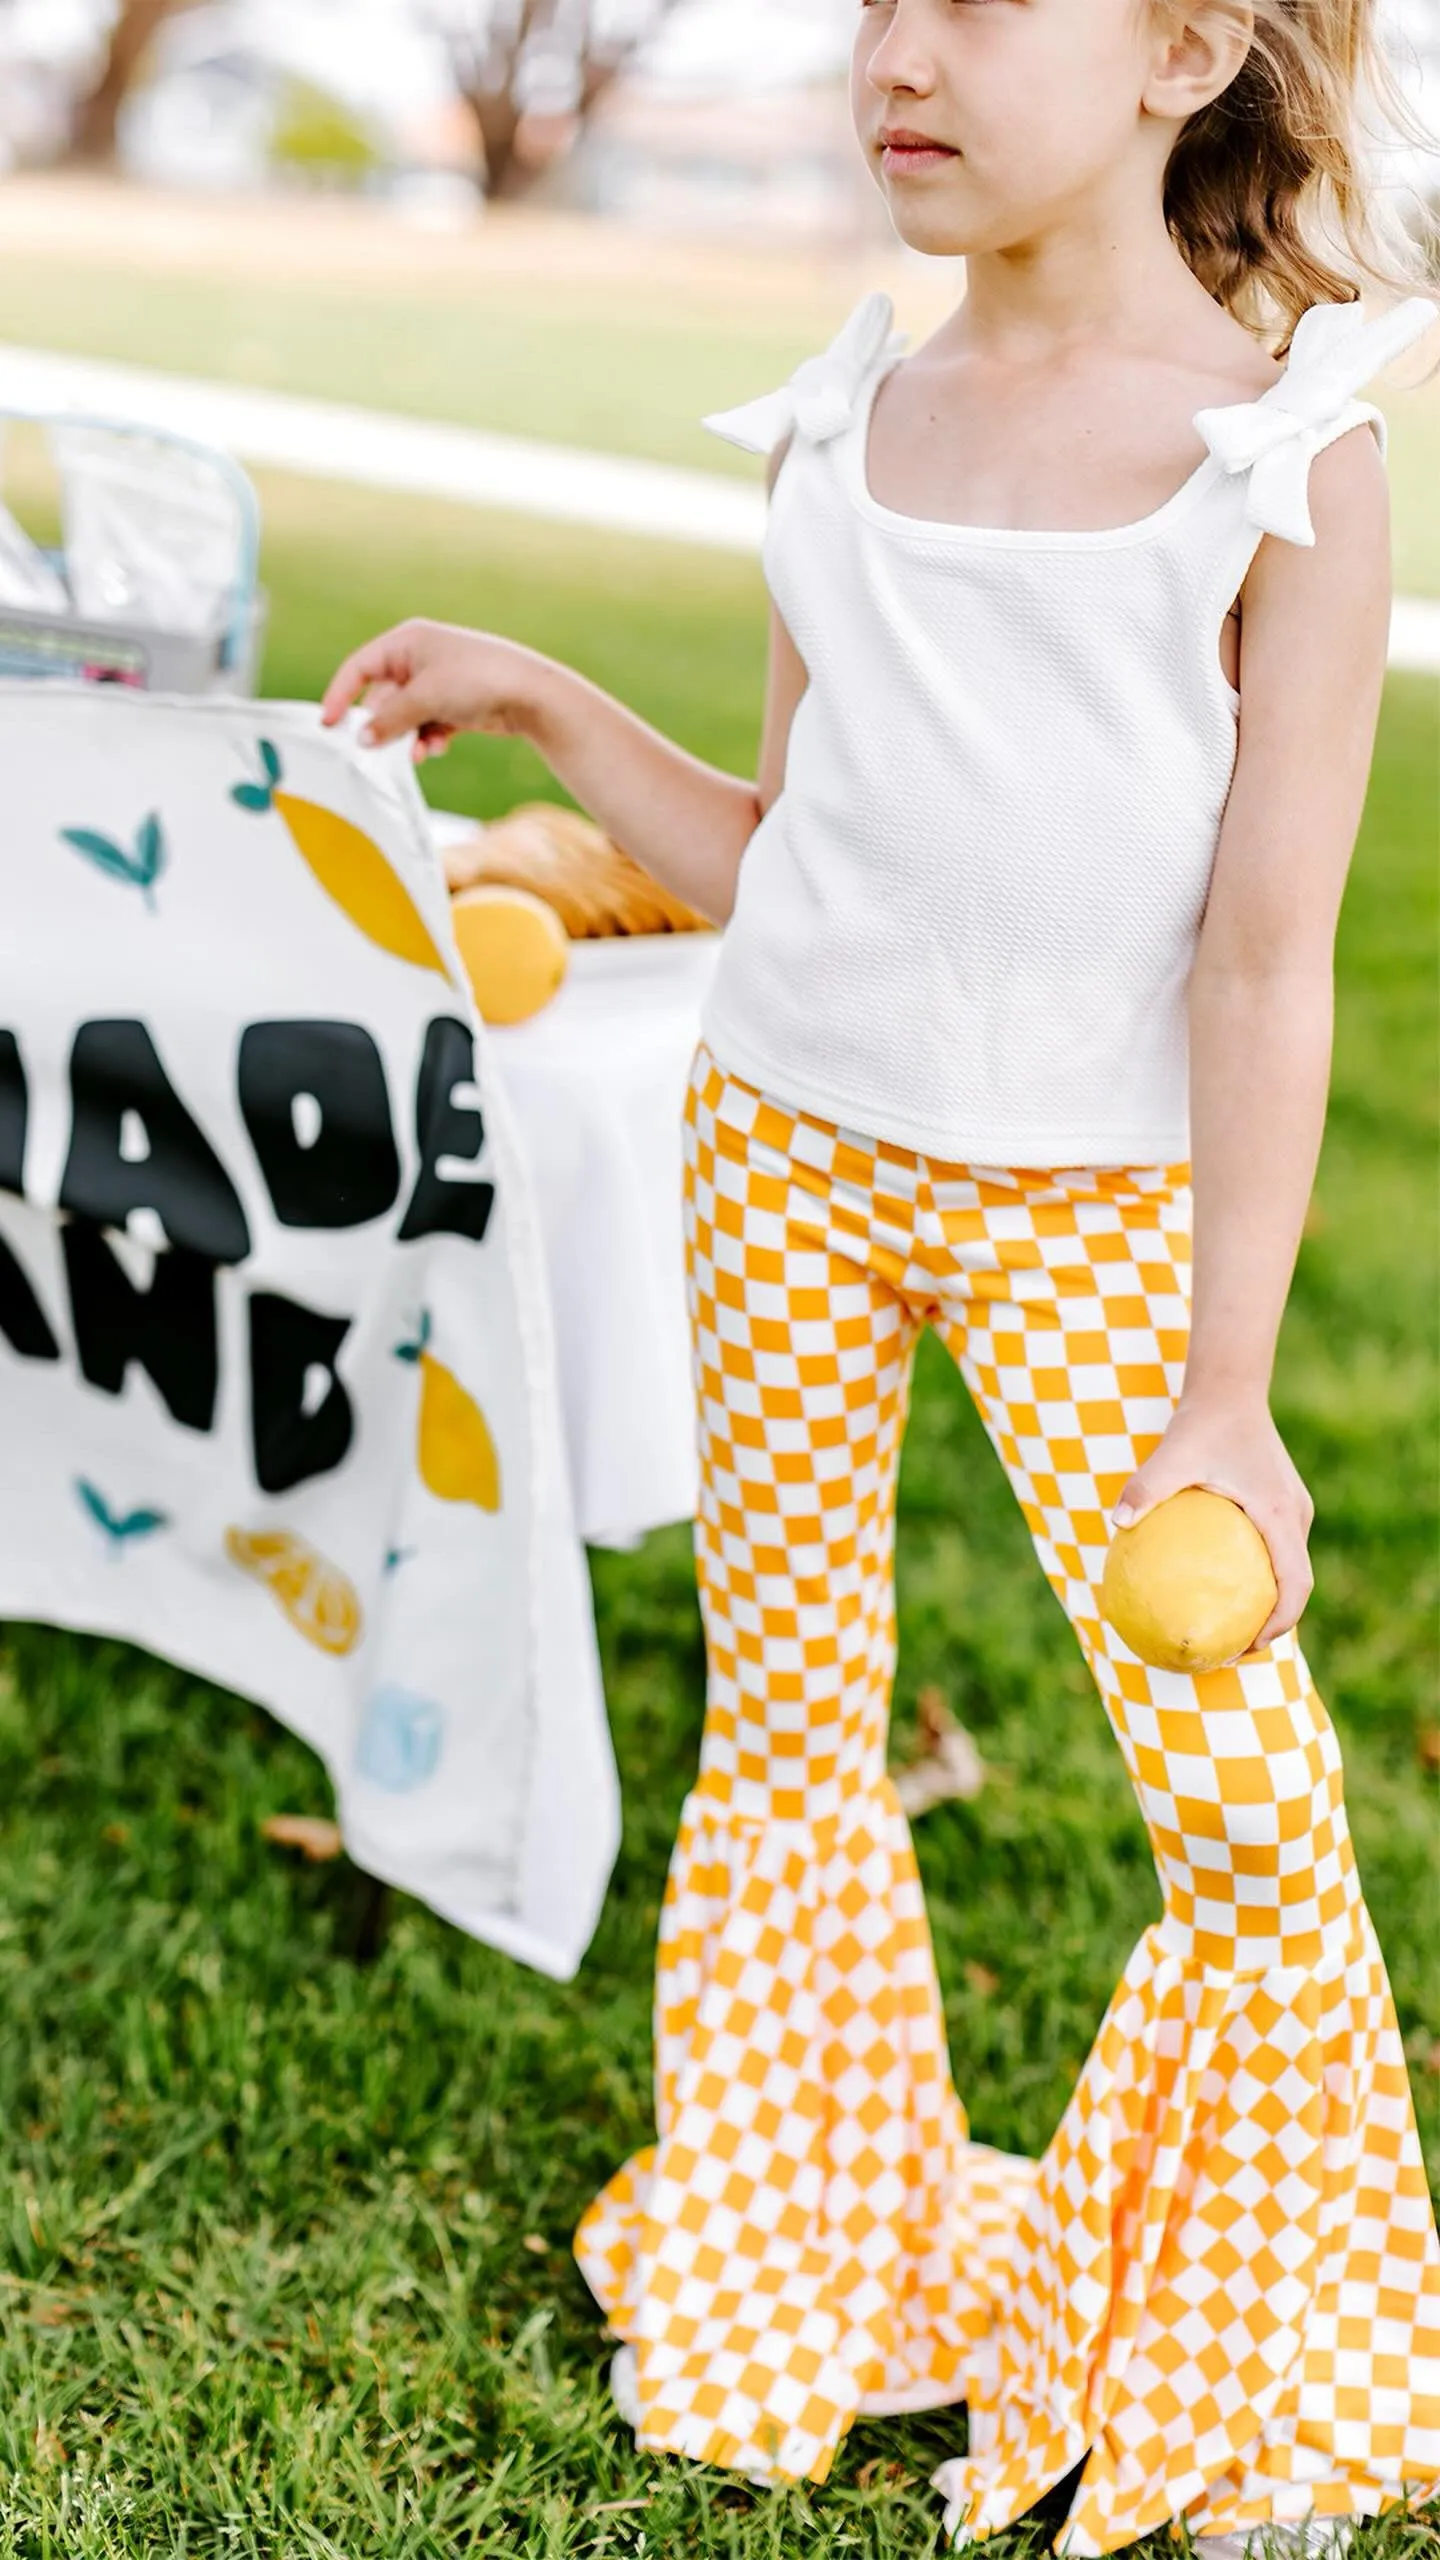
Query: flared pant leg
x,y
1226,2279
813,2234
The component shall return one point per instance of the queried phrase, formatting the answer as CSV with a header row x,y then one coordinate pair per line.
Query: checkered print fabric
x,y
1220,2287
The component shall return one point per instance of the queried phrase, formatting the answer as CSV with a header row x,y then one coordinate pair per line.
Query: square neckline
x,y
853,463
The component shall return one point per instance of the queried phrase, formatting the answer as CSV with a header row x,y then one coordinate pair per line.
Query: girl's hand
x,y
430,677
1235,1449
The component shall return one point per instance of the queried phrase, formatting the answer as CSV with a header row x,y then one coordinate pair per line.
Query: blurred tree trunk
x,y
93,132
530,74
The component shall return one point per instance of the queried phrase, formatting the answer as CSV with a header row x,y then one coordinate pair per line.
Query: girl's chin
x,y
933,237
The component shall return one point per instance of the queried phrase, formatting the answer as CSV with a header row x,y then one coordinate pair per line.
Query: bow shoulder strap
x,y
819,399
1276,438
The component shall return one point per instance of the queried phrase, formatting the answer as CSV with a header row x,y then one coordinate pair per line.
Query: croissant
x,y
563,857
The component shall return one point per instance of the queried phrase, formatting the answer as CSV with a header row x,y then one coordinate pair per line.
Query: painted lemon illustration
x,y
349,866
320,1602
457,1457
515,949
1190,1585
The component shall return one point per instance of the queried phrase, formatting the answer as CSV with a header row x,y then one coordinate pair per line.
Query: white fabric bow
x,y
1333,351
818,401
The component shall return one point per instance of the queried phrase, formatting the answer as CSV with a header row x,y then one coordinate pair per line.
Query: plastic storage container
x,y
157,585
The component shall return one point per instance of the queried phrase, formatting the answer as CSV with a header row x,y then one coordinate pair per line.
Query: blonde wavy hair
x,y
1269,192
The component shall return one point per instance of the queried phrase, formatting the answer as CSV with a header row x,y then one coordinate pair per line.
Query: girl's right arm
x,y
682,820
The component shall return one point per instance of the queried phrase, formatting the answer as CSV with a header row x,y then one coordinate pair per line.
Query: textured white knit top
x,y
967,922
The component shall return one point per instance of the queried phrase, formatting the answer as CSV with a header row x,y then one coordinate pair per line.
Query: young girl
x,y
1079,629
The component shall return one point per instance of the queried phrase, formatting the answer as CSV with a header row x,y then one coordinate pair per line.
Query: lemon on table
x,y
1190,1585
515,949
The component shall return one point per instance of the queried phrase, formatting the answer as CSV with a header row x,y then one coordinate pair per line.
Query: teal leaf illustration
x,y
415,1351
99,850
260,795
141,869
150,852
118,1526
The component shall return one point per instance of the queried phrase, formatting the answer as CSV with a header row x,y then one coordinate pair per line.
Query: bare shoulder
x,y
1316,617
1350,489
1349,498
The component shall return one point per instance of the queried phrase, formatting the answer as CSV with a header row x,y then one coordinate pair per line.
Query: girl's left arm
x,y
1314,635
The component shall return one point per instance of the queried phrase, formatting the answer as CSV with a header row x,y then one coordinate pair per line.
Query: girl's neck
x,y
1103,274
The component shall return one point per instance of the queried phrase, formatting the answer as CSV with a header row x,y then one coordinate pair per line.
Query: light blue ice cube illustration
x,y
400,1740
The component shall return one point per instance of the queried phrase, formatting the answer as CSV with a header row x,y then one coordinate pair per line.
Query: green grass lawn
x,y
621,369
284,2235
613,367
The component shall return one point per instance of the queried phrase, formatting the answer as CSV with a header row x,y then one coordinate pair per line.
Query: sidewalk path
x,y
422,458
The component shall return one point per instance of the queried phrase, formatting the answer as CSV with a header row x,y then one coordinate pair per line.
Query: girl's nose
x,y
904,58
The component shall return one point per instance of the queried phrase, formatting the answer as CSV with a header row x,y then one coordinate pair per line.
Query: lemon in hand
x,y
1190,1585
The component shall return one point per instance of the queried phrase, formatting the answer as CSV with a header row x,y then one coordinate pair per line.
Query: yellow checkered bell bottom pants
x,y
1220,2286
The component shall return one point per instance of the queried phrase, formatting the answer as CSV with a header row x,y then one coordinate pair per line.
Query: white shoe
x,y
1319,2538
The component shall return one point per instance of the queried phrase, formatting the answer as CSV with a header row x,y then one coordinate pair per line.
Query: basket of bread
x,y
526,886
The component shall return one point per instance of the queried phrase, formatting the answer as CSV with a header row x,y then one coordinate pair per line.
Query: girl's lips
x,y
899,158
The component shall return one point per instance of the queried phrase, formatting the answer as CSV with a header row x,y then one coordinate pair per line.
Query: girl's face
x,y
1033,102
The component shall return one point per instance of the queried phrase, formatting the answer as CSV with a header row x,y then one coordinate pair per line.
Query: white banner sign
x,y
277,1388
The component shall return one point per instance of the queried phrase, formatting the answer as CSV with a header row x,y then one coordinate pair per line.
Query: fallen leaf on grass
x,y
950,1767
893,2474
48,2447
1430,1749
118,1833
621,2507
537,2247
982,1980
304,1831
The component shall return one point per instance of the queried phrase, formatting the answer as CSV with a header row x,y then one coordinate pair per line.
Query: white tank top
x,y
968,921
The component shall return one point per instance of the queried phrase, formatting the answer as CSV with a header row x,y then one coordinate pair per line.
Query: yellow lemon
x,y
457,1457
320,1602
515,949
353,871
1190,1585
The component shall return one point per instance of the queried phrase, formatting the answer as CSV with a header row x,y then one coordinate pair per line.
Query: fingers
x,y
362,668
393,660
391,709
1291,1566
1144,1490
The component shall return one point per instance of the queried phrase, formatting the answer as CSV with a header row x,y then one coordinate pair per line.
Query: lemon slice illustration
x,y
457,1457
320,1601
348,865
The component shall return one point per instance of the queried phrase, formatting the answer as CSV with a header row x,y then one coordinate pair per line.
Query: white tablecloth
x,y
596,1082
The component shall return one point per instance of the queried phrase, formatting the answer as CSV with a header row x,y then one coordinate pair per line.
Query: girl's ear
x,y
1200,46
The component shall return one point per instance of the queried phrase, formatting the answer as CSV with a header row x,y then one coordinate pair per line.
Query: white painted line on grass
x,y
328,440
420,457
1415,635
